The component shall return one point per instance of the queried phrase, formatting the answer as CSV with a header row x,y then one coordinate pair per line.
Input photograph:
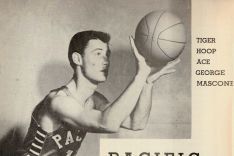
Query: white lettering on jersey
x,y
78,138
57,138
69,152
69,138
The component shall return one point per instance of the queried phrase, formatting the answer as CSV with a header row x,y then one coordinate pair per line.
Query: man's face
x,y
96,60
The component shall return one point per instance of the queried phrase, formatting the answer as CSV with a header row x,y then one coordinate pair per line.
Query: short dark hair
x,y
80,40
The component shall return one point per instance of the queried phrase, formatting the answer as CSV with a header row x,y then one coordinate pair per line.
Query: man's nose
x,y
106,60
105,63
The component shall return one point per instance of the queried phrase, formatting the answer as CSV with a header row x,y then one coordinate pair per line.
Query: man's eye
x,y
98,53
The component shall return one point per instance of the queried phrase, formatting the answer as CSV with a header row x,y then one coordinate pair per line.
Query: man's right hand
x,y
143,68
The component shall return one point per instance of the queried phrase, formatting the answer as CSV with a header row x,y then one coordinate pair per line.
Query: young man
x,y
59,123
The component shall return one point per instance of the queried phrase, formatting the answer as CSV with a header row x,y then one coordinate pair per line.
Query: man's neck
x,y
81,88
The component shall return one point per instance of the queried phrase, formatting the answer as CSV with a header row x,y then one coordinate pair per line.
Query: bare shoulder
x,y
60,101
100,101
46,105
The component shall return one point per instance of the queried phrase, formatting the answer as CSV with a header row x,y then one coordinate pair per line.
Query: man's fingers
x,y
169,71
173,63
164,72
136,53
156,76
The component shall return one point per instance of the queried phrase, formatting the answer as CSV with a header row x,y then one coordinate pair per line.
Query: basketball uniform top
x,y
64,141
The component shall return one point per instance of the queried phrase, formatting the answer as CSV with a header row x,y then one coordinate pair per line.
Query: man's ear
x,y
77,58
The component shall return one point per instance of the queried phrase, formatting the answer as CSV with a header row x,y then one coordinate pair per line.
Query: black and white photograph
x,y
75,72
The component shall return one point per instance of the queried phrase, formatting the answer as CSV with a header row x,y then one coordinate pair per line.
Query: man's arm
x,y
140,115
112,117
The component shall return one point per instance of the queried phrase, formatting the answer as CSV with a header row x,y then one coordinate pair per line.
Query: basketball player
x,y
62,119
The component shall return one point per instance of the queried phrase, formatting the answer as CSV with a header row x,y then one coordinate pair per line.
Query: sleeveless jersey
x,y
64,141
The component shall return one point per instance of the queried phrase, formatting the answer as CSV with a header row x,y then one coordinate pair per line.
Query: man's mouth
x,y
104,70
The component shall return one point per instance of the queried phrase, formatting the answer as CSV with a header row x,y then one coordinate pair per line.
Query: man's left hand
x,y
167,69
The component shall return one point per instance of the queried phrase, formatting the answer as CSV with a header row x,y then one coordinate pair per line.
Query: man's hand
x,y
169,68
143,68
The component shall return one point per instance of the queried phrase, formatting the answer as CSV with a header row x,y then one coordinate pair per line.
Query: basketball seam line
x,y
158,39
147,30
170,40
164,51
154,32
147,25
143,34
168,28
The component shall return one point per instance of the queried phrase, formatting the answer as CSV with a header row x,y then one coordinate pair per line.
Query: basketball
x,y
160,37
